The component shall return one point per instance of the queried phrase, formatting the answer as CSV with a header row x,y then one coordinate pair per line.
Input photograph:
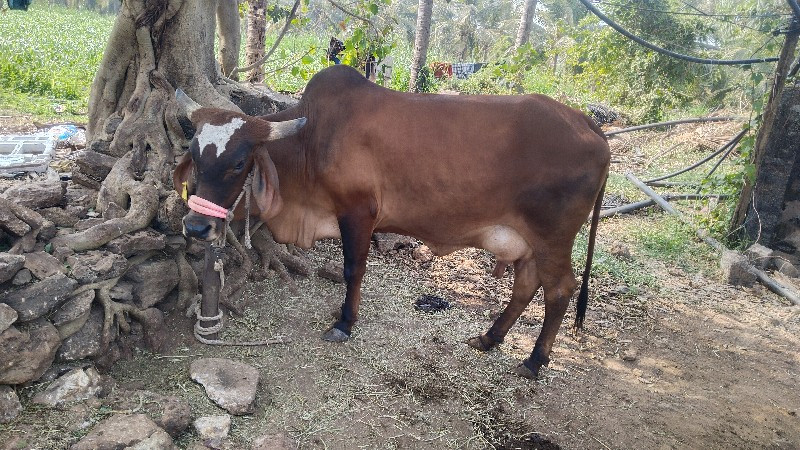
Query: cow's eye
x,y
240,166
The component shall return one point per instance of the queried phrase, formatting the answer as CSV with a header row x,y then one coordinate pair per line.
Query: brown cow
x,y
515,175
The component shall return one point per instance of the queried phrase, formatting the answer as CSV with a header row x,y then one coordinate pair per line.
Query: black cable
x,y
629,35
730,143
795,8
703,14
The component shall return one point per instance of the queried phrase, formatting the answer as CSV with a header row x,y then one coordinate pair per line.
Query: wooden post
x,y
209,306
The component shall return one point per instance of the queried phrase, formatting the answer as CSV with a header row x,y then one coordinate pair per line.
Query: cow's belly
x,y
503,241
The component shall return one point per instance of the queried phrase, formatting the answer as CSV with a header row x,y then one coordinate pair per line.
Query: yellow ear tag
x,y
185,193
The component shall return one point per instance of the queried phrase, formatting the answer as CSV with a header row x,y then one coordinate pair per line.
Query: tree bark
x,y
256,39
421,41
765,194
230,36
525,21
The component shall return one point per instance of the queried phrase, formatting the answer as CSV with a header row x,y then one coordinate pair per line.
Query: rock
x,y
77,306
95,165
391,241
213,430
422,254
8,316
11,223
620,250
139,242
27,351
10,265
22,278
85,181
114,211
331,271
122,292
10,406
43,194
59,216
230,384
43,265
152,281
73,315
38,299
47,231
128,431
76,385
758,255
734,269
169,412
788,269
78,196
87,341
629,355
175,416
96,265
276,441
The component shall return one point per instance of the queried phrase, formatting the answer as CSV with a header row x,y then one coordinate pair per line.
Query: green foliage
x,y
624,72
49,55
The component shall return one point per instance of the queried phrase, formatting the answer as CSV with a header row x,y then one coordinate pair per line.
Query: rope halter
x,y
211,209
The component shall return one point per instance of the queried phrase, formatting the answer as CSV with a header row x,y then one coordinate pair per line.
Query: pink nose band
x,y
205,207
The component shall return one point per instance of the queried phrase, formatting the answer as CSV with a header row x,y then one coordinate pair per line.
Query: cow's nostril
x,y
196,230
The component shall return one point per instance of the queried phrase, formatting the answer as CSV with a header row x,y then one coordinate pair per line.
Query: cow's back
x,y
440,166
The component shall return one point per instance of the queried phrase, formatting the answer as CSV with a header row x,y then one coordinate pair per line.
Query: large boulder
x,y
85,342
97,265
10,265
152,281
39,195
27,351
71,316
126,431
38,299
43,265
76,385
230,384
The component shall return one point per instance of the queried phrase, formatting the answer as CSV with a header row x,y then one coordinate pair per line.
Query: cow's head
x,y
226,148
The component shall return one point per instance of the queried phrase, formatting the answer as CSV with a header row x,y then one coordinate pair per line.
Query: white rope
x,y
200,331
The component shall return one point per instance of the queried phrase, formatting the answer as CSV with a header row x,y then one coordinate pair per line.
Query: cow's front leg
x,y
356,231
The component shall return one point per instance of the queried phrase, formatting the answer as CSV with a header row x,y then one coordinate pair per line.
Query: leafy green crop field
x,y
48,57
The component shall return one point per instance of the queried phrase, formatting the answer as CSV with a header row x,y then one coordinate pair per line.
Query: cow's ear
x,y
286,128
265,186
182,177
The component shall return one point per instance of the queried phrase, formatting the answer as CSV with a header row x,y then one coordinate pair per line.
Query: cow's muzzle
x,y
199,227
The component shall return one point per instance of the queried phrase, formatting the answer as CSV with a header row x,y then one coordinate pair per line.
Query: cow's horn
x,y
286,128
189,106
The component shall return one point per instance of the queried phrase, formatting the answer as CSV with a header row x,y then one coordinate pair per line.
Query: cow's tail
x,y
583,296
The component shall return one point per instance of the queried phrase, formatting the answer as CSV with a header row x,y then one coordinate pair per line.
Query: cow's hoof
x,y
480,343
524,371
335,335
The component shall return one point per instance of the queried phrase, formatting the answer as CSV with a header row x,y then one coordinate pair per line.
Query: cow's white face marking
x,y
219,135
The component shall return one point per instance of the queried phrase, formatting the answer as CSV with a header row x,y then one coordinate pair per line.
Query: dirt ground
x,y
684,361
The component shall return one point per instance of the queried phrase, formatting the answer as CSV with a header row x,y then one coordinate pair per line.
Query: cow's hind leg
x,y
356,231
526,282
559,285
